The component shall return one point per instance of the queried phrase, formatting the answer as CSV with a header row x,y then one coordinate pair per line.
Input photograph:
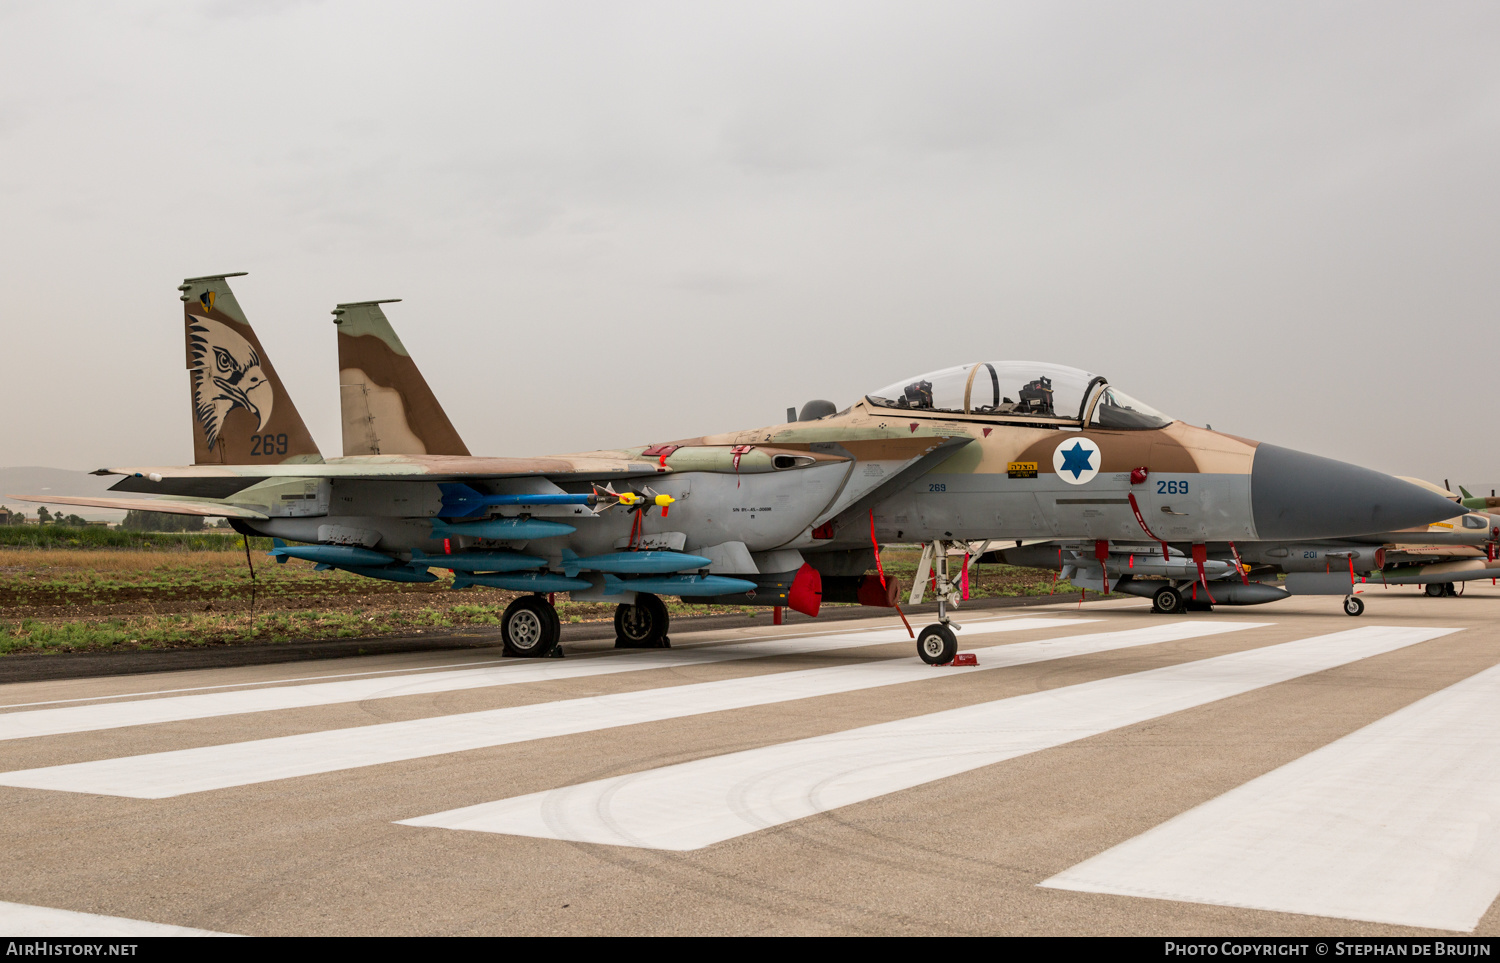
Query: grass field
x,y
171,591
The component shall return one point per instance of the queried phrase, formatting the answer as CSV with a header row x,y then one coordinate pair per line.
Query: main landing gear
x,y
1439,589
642,625
937,644
1169,600
530,628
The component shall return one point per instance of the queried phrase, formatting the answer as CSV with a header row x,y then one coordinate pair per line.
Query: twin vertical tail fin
x,y
242,414
387,407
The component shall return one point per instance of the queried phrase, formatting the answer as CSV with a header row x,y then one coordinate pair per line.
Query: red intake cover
x,y
806,593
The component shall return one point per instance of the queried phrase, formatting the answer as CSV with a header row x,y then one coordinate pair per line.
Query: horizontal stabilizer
x,y
167,506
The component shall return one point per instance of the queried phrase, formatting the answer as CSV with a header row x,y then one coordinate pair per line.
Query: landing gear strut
x,y
530,627
936,644
642,625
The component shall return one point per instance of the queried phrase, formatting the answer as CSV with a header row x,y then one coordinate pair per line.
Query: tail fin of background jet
x,y
242,415
386,405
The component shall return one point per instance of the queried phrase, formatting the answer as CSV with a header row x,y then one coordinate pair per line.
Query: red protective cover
x,y
872,593
806,593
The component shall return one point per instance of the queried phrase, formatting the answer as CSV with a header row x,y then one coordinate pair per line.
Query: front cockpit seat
x,y
918,394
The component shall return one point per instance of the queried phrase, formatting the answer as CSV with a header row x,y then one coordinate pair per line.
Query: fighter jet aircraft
x,y
791,514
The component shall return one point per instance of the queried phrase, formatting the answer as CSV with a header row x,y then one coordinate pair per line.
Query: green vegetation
x,y
161,522
178,631
985,581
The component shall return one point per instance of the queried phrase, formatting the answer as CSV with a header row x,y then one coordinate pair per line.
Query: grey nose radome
x,y
1294,495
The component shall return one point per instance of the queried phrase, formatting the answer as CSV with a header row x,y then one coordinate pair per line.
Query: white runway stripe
x,y
1396,823
51,722
163,774
22,921
698,803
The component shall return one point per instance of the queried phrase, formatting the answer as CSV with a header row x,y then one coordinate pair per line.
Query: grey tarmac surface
x,y
323,854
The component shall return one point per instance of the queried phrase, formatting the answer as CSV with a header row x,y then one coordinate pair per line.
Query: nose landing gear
x,y
1354,605
937,644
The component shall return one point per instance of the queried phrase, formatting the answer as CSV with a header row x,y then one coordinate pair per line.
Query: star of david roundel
x,y
1077,460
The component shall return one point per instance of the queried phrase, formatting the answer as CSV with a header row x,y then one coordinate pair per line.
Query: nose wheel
x,y
1353,605
937,645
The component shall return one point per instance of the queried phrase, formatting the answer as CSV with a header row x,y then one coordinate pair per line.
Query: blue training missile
x,y
523,582
337,555
461,501
392,573
503,529
678,585
479,561
634,563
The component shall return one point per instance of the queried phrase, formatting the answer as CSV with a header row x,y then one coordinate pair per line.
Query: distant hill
x,y
57,481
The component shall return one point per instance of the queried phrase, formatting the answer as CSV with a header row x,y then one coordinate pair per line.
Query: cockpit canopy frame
x,y
1026,392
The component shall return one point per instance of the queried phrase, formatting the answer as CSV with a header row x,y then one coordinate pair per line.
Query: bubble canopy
x,y
1030,391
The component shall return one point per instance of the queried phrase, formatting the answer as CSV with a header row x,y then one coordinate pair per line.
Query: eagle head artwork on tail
x,y
227,375
242,414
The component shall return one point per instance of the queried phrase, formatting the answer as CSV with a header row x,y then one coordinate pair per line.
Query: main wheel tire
x,y
530,627
1353,605
1167,600
1436,590
642,625
1449,590
555,650
937,645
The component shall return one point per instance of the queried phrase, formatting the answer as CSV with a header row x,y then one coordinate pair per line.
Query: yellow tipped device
x,y
630,498
664,500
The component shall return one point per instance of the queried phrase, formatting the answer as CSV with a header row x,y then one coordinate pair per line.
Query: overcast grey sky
x,y
618,223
